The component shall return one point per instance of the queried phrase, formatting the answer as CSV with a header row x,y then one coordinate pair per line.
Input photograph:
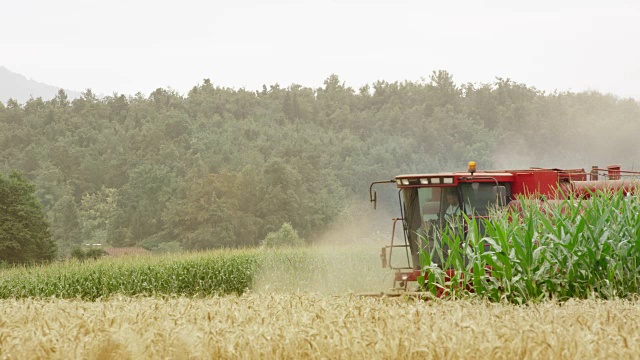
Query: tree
x,y
95,213
206,213
24,231
140,205
61,98
443,92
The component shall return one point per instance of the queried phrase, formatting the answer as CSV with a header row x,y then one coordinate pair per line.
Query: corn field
x,y
569,249
221,272
321,269
574,249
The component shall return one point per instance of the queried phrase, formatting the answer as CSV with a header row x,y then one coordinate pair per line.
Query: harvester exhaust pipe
x,y
614,172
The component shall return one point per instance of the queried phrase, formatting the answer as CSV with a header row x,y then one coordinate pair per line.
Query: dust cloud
x,y
606,139
343,259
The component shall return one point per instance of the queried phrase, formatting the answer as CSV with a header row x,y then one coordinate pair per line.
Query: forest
x,y
223,167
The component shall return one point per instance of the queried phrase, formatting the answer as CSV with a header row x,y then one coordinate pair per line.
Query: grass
x,y
570,249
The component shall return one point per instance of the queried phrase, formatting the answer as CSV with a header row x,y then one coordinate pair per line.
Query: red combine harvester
x,y
427,201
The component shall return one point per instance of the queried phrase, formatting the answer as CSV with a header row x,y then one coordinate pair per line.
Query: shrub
x,y
78,253
287,236
93,253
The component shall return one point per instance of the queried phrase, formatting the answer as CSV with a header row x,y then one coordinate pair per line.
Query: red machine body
x,y
427,199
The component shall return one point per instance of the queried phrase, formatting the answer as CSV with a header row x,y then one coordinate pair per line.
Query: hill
x,y
18,87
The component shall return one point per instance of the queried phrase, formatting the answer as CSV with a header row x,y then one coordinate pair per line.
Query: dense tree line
x,y
225,167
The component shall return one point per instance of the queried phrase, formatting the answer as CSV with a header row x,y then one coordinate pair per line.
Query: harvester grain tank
x,y
429,201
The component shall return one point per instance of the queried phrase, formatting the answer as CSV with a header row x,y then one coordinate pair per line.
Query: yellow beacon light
x,y
472,167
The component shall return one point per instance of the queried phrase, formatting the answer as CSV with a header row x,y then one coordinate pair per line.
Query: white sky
x,y
128,46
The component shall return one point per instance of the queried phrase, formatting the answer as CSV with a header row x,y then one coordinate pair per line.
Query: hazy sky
x,y
128,46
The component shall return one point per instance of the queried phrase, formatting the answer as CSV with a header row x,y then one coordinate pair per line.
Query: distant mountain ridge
x,y
18,87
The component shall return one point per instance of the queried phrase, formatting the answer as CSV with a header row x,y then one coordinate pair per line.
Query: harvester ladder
x,y
392,246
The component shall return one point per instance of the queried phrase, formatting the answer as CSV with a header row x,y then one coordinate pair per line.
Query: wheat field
x,y
315,326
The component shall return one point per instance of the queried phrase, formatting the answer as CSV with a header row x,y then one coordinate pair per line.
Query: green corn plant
x,y
452,276
572,248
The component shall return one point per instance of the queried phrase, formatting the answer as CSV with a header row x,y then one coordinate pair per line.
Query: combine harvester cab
x,y
431,202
